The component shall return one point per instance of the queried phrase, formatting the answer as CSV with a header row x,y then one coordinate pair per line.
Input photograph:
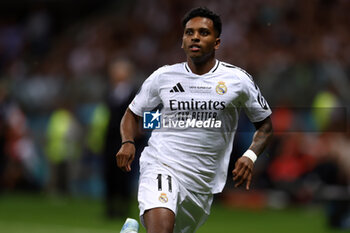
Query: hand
x,y
243,171
125,156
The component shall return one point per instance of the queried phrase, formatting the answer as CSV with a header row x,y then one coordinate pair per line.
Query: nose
x,y
195,37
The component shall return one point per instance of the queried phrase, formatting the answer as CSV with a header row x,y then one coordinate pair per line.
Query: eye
x,y
188,32
204,32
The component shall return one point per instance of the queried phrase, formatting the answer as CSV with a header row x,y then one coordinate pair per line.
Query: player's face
x,y
199,40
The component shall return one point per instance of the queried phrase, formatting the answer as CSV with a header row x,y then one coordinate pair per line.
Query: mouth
x,y
194,48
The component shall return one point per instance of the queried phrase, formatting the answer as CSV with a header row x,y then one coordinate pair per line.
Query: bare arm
x,y
262,136
244,166
128,131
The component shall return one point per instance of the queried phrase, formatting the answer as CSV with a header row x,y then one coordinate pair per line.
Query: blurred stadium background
x,y
68,69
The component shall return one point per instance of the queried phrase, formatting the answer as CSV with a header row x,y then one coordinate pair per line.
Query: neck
x,y
201,67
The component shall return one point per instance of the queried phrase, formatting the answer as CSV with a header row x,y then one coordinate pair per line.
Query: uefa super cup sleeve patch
x,y
163,198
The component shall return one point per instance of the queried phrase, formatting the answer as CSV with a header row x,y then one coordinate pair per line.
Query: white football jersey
x,y
197,156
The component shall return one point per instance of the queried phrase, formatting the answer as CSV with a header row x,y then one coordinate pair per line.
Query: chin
x,y
198,58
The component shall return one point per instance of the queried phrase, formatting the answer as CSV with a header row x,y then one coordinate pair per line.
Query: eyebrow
x,y
201,28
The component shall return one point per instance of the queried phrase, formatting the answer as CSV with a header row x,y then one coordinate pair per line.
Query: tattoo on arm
x,y
262,136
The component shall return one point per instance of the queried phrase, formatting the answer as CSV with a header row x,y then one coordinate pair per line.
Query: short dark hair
x,y
206,13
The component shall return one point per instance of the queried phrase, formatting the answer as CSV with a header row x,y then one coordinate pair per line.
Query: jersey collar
x,y
215,67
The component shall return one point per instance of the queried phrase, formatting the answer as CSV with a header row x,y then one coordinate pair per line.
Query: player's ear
x,y
217,43
182,44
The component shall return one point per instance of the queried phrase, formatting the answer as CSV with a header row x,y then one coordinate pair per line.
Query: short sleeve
x,y
254,104
148,96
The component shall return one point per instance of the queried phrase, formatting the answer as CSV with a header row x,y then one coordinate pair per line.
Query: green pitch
x,y
41,214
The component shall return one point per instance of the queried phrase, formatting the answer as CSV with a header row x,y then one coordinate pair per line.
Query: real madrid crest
x,y
163,198
221,88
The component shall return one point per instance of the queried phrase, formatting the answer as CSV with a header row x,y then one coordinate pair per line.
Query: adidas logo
x,y
177,88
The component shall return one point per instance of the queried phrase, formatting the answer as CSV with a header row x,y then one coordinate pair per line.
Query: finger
x,y
118,160
239,174
125,166
128,166
249,180
246,174
239,179
238,183
237,168
130,160
121,161
243,177
234,172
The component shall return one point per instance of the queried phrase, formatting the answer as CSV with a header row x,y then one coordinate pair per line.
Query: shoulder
x,y
166,73
236,71
177,67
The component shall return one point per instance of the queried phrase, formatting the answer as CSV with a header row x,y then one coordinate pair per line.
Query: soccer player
x,y
181,169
